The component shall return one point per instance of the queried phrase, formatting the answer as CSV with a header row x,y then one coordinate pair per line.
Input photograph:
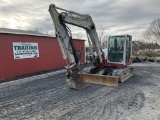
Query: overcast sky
x,y
115,16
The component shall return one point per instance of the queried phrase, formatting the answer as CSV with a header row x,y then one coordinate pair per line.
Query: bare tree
x,y
101,33
147,36
78,35
4,26
152,35
46,31
154,28
104,41
19,27
36,29
103,37
147,40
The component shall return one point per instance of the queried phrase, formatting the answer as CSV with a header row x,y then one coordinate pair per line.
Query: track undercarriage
x,y
110,76
106,75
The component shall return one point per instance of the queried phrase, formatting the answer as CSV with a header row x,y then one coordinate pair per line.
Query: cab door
x,y
116,47
128,50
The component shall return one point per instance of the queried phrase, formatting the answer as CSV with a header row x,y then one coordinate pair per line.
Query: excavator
x,y
109,67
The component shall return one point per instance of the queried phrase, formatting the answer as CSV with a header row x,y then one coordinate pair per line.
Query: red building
x,y
41,52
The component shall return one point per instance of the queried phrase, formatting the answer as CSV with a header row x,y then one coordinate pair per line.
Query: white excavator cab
x,y
119,49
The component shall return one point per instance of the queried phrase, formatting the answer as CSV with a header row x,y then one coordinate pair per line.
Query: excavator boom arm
x,y
81,20
75,79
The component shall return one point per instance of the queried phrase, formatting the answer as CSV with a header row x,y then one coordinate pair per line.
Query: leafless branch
x,y
78,35
154,28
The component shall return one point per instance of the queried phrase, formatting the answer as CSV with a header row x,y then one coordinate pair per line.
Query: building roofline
x,y
30,34
14,33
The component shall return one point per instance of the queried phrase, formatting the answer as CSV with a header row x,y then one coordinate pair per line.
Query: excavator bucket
x,y
77,83
100,79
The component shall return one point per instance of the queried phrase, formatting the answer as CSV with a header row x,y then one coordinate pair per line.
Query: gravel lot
x,y
50,99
